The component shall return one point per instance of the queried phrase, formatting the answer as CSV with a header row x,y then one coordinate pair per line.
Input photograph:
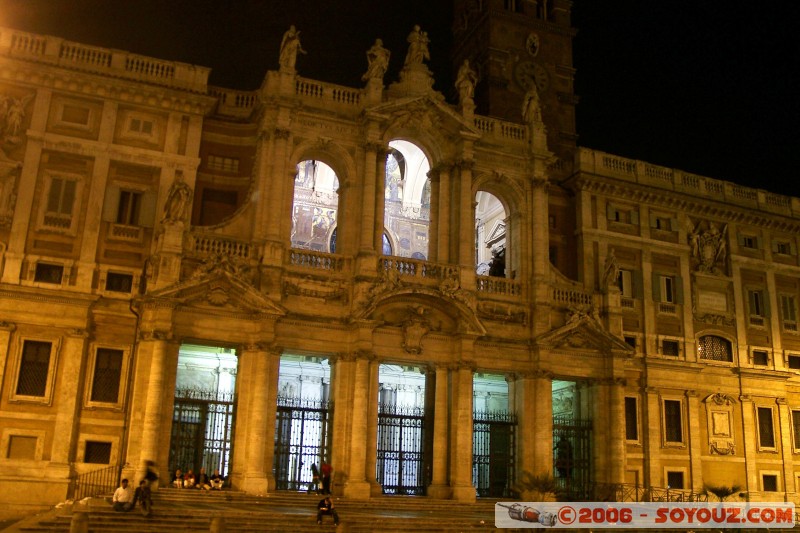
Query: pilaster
x,y
785,427
652,438
695,442
533,393
439,487
749,433
356,483
68,396
461,434
6,330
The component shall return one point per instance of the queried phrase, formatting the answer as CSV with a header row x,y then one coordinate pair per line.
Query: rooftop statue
x,y
377,60
465,83
417,47
290,47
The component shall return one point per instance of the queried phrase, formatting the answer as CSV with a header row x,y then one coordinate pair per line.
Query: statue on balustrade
x,y
290,47
177,201
377,61
465,83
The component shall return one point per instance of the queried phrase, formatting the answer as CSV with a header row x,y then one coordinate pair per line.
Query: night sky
x,y
706,86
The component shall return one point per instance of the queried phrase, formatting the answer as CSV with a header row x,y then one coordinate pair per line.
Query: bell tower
x,y
514,44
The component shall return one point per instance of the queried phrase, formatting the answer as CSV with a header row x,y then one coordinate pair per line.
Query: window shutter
x,y
638,284
740,239
653,220
69,197
775,245
673,224
758,242
54,195
147,214
751,302
634,217
610,211
678,290
792,249
765,303
111,204
656,287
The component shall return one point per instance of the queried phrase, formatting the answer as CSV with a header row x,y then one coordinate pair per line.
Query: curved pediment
x,y
217,291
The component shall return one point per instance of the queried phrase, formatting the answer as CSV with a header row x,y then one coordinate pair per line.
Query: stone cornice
x,y
677,200
96,85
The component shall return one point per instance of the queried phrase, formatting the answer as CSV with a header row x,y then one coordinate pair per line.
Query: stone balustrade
x,y
336,94
498,286
317,260
608,165
501,130
206,245
571,297
233,103
116,63
422,270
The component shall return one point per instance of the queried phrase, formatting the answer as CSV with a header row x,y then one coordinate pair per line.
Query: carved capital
x,y
78,333
781,401
540,183
7,326
280,133
155,335
378,148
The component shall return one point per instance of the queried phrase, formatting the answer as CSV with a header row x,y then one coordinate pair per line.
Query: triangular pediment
x,y
219,291
583,333
424,113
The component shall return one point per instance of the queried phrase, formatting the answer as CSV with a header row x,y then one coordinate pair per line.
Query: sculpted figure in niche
x,y
531,106
417,47
709,249
465,83
290,47
177,201
377,61
610,270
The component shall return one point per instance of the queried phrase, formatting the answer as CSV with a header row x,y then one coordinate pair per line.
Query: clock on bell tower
x,y
514,45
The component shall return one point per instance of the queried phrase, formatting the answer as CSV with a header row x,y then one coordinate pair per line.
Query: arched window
x,y
714,348
490,236
406,214
315,207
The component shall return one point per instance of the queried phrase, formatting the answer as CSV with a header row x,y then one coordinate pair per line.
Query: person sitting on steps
x,y
325,507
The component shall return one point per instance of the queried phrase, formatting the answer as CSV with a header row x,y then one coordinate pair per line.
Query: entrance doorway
x,y
493,436
572,439
302,424
403,434
203,415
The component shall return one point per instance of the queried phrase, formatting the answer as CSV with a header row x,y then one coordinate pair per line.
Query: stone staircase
x,y
178,511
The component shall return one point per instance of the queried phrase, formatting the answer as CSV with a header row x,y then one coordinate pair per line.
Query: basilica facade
x,y
438,295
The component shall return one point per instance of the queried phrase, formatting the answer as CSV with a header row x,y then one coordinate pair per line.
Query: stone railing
x,y
336,94
498,286
501,130
232,103
205,245
117,63
418,268
570,297
603,164
317,260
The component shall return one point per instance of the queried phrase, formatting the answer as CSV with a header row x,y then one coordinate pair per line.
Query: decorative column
x,y
254,478
616,429
379,201
372,152
695,442
540,244
439,488
280,179
68,398
97,191
356,484
156,343
749,432
433,227
6,329
533,396
461,434
29,172
652,438
372,429
785,425
445,222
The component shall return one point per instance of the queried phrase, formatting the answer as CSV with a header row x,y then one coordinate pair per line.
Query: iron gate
x,y
572,456
493,444
202,430
401,466
301,440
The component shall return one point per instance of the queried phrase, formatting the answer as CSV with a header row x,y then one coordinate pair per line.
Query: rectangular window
x,y
794,362
75,115
673,421
770,482
61,197
783,248
668,289
97,453
631,420
223,164
47,273
625,283
796,429
107,372
749,241
756,300
675,480
33,368
789,312
630,341
128,209
671,348
766,432
117,282
760,358
21,447
138,125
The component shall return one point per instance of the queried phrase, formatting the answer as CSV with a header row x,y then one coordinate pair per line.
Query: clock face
x,y
528,73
